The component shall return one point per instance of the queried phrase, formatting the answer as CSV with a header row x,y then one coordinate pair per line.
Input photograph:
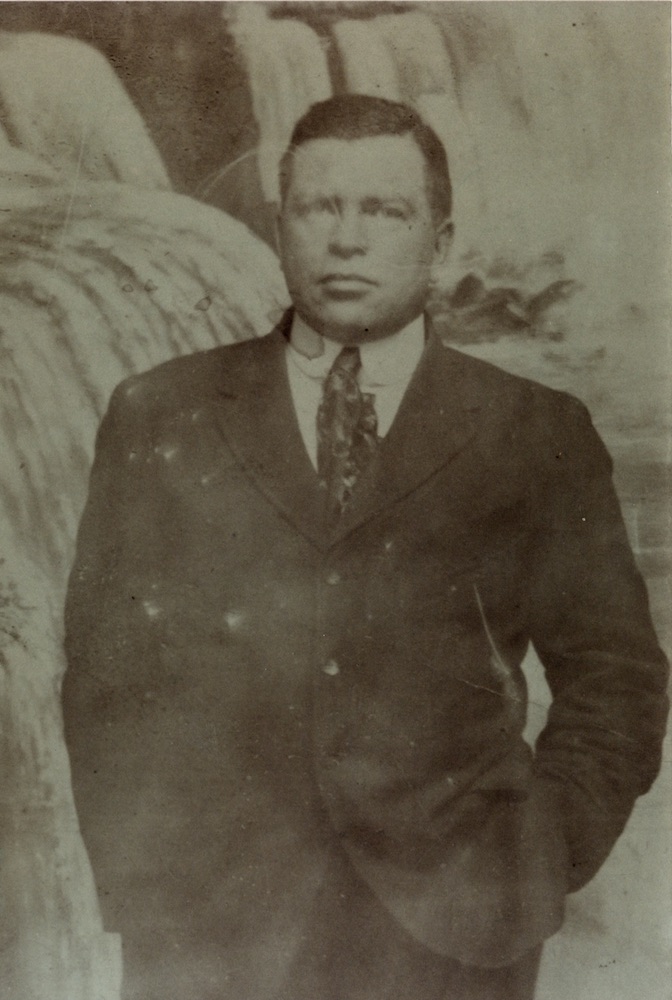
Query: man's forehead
x,y
389,162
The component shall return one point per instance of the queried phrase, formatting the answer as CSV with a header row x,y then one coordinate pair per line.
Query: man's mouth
x,y
346,276
346,285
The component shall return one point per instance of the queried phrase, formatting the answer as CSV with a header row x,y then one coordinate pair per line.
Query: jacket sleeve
x,y
101,644
592,630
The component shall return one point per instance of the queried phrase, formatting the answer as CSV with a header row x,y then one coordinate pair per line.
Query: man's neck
x,y
312,344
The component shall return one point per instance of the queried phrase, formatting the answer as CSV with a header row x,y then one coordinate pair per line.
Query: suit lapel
x,y
256,415
437,418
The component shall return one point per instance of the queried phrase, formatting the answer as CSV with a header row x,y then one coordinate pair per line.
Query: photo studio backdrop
x,y
139,145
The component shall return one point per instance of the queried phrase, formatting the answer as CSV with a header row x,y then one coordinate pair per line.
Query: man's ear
x,y
443,240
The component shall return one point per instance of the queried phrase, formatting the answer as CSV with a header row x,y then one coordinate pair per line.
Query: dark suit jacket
x,y
246,691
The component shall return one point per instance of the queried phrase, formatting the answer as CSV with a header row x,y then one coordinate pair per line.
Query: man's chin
x,y
353,328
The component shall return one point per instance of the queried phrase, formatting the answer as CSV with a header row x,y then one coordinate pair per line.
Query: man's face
x,y
357,238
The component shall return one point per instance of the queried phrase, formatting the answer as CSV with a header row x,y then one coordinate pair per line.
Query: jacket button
x,y
331,668
333,578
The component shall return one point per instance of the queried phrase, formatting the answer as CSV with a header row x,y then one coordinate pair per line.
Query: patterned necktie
x,y
346,432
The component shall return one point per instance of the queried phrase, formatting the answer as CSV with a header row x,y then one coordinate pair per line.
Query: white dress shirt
x,y
387,368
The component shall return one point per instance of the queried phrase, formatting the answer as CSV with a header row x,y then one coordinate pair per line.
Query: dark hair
x,y
359,116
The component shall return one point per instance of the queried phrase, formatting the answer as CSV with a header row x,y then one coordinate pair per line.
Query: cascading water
x,y
555,120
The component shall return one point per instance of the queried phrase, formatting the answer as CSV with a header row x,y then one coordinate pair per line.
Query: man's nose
x,y
348,233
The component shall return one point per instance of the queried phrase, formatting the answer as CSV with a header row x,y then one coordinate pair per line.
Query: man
x,y
308,571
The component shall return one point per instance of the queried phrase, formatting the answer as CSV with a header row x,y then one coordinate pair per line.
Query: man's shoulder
x,y
498,388
520,418
182,380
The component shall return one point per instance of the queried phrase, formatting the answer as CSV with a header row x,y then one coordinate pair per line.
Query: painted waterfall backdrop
x,y
137,185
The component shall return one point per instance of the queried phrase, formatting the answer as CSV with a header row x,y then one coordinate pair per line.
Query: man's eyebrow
x,y
375,201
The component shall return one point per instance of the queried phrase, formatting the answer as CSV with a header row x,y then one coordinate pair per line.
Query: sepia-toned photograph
x,y
336,500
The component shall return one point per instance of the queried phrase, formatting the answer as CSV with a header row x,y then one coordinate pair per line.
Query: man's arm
x,y
591,627
102,646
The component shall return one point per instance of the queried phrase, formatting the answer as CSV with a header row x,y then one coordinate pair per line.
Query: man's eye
x,y
385,211
324,205
394,212
318,206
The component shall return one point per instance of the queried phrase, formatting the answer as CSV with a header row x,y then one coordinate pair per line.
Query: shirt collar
x,y
384,362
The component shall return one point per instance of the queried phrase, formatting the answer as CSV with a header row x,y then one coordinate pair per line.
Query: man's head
x,y
359,116
364,217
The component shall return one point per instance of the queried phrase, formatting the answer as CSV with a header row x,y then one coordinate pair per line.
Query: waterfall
x,y
287,70
556,122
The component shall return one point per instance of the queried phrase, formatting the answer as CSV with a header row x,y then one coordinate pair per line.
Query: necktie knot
x,y
347,364
346,431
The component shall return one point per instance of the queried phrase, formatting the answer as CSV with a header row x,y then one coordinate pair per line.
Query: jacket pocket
x,y
499,888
